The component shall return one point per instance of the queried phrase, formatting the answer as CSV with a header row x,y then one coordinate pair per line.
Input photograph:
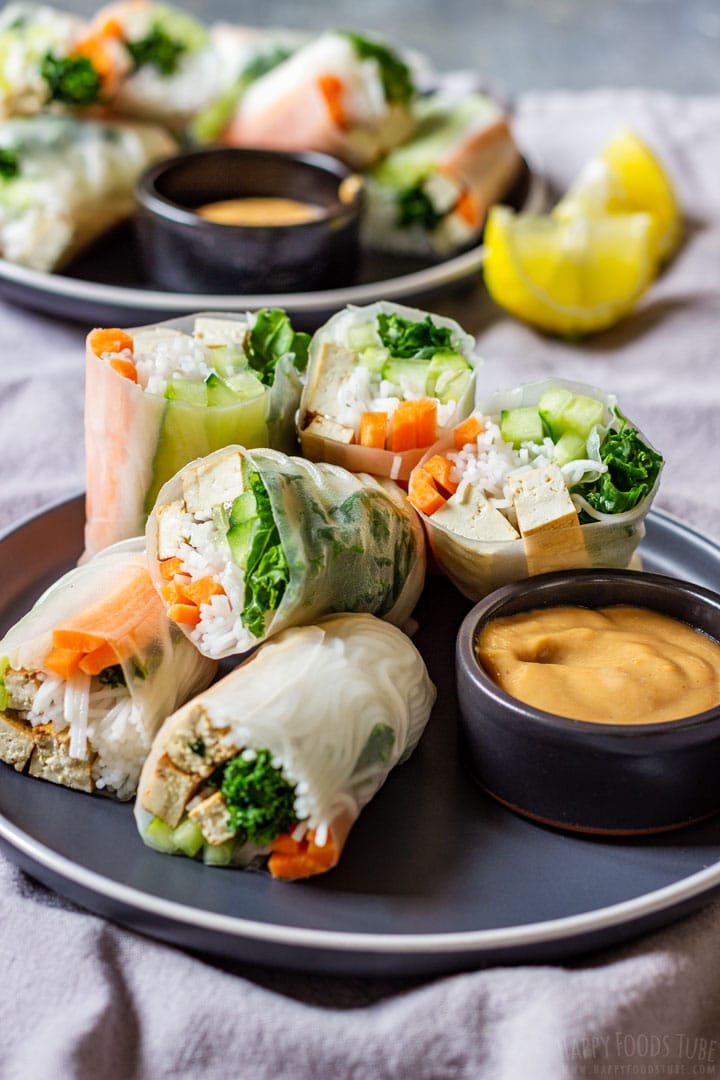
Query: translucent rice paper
x,y
397,466
476,567
161,668
352,542
338,704
124,425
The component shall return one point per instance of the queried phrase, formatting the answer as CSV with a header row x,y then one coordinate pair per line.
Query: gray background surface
x,y
520,45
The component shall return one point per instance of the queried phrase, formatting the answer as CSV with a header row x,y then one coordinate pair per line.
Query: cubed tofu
x,y
330,371
51,760
472,515
21,689
170,529
330,429
218,332
442,191
541,499
194,745
213,819
212,482
16,742
169,791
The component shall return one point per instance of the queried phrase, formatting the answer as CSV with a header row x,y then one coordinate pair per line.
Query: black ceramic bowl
x,y
578,775
183,251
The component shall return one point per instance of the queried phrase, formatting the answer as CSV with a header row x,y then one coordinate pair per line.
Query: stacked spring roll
x,y
384,382
90,673
543,477
245,543
65,181
274,763
342,94
159,396
429,197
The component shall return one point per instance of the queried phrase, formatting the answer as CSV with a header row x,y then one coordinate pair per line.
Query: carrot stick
x,y
331,89
439,469
423,494
200,591
126,368
170,567
64,662
373,429
96,661
300,858
184,613
110,340
425,421
403,436
467,209
467,432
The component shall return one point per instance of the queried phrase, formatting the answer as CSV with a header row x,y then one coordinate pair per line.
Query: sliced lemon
x,y
626,177
569,277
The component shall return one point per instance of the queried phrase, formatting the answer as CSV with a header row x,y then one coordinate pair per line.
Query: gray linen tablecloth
x,y
85,998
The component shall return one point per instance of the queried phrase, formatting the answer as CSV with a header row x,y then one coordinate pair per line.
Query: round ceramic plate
x,y
106,283
435,876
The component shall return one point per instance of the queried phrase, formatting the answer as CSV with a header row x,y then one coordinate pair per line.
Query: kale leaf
x,y
260,800
632,469
266,569
412,340
71,79
158,49
9,163
396,78
271,337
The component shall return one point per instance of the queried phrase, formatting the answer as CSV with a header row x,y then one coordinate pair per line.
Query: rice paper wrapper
x,y
477,567
353,543
110,731
135,440
356,458
338,705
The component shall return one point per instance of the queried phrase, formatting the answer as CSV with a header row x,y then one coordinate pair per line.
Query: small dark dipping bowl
x,y
578,775
184,252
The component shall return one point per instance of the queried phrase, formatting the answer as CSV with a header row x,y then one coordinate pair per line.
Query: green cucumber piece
x,y
218,391
523,424
193,393
239,538
582,415
160,836
245,384
374,358
411,375
551,406
228,360
244,507
569,447
361,337
219,854
449,376
188,838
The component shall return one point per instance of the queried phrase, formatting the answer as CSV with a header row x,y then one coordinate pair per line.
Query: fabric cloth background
x,y
83,998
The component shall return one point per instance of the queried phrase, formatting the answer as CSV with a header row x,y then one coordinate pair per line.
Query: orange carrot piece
x,y
79,640
331,89
403,427
423,494
95,50
467,432
300,858
425,421
126,368
111,340
170,567
467,208
184,613
96,661
439,468
64,662
373,429
111,28
200,591
171,592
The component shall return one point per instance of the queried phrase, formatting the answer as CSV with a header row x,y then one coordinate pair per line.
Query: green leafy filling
x,y
266,568
71,80
632,469
396,78
409,340
263,62
377,748
157,49
9,163
260,800
271,337
415,208
112,676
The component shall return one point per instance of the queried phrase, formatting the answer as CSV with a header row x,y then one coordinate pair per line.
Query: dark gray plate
x,y
435,877
106,284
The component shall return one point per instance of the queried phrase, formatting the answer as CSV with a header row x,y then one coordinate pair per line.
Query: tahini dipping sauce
x,y
259,211
612,665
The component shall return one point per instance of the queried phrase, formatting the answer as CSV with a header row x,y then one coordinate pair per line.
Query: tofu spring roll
x,y
429,197
159,396
341,94
64,181
384,382
90,673
547,476
273,764
245,543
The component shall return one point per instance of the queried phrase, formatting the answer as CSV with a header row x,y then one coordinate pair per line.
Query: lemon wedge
x,y
568,276
626,177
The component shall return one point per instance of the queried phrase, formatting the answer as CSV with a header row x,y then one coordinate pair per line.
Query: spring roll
x,y
429,197
384,382
245,543
341,94
547,476
159,396
273,764
64,181
90,673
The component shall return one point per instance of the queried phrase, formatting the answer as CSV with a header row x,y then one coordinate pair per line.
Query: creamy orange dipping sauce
x,y
613,665
259,210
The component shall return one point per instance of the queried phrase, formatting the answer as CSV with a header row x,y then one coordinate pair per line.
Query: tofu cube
x,y
213,819
171,526
215,333
51,760
330,429
330,371
194,745
21,689
472,515
16,742
169,791
548,520
212,482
